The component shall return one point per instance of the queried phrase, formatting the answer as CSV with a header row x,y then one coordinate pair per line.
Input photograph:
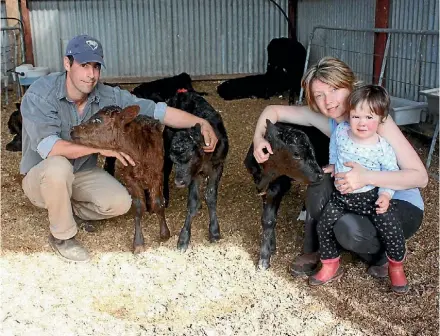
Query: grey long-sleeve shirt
x,y
48,115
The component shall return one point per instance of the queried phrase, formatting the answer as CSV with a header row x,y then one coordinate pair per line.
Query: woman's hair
x,y
375,96
331,71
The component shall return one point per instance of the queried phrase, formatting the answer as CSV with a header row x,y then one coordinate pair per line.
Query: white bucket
x,y
27,73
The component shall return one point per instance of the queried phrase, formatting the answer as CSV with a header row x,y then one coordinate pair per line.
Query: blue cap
x,y
84,49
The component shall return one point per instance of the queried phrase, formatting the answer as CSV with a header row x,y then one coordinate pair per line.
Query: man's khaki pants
x,y
93,194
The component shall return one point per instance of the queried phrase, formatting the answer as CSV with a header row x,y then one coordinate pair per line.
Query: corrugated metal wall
x,y
353,48
161,37
413,62
334,13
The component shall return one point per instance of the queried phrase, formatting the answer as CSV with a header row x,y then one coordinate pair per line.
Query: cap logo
x,y
92,44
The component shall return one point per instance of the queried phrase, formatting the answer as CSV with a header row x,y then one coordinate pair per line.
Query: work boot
x,y
305,264
84,224
69,249
329,271
399,284
377,271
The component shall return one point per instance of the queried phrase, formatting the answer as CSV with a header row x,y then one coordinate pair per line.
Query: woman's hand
x,y
124,158
354,179
259,145
209,137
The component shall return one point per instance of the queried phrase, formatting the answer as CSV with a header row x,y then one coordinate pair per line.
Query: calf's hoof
x,y
263,264
182,246
183,242
137,249
165,235
213,238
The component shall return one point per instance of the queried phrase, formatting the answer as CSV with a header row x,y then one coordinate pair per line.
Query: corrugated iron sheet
x,y
354,48
161,37
414,59
334,13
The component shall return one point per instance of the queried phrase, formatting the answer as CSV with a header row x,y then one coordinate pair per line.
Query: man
x,y
61,176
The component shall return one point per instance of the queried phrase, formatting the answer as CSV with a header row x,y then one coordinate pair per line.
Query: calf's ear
x,y
271,130
272,135
128,114
196,133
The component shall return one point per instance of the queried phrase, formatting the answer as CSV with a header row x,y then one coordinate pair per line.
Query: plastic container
x,y
27,74
406,111
432,95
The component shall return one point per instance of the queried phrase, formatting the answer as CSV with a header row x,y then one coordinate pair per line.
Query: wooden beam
x,y
13,15
293,17
12,11
27,32
380,39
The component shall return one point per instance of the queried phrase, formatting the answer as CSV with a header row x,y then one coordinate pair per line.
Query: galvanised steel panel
x,y
161,37
354,48
414,59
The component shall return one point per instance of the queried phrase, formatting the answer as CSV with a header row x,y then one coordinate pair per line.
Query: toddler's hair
x,y
375,96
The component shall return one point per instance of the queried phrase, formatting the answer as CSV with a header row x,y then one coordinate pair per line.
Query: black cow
x,y
163,89
256,86
299,154
15,124
288,56
285,66
184,150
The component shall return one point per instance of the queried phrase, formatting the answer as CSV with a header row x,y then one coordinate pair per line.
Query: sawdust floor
x,y
212,289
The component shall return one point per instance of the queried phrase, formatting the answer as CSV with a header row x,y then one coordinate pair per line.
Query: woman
x,y
327,86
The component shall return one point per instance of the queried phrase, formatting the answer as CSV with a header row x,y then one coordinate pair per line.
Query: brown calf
x,y
140,137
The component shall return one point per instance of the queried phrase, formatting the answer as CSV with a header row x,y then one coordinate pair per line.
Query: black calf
x,y
299,153
285,66
183,148
15,126
288,56
163,89
256,86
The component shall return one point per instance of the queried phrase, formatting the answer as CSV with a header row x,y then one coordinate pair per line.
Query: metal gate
x,y
12,53
409,64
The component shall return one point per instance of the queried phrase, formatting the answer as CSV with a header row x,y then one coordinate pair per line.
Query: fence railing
x,y
12,53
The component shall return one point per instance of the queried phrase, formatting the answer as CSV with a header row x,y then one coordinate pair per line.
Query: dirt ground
x,y
211,289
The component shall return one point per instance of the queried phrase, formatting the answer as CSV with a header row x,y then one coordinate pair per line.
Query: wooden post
x,y
293,12
12,11
380,39
27,32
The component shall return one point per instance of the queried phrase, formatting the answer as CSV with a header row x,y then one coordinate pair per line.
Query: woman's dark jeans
x,y
353,232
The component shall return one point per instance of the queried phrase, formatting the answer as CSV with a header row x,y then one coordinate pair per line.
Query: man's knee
x,y
116,205
57,169
356,233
